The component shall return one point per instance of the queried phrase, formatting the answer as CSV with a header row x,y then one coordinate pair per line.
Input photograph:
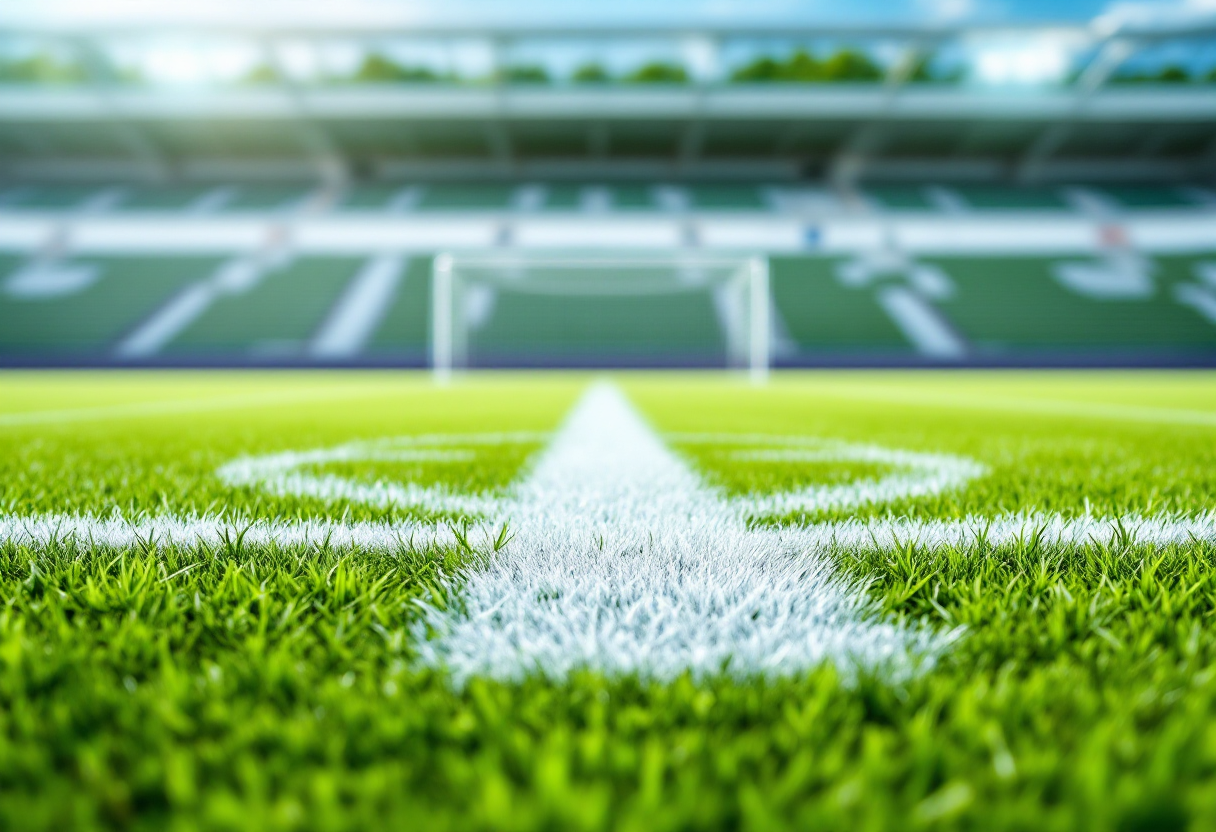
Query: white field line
x,y
917,474
1046,407
624,562
1048,529
162,408
168,322
920,323
168,531
1200,298
188,306
360,309
288,474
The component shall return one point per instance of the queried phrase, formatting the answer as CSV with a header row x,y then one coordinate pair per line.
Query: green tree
x,y
590,73
657,72
378,69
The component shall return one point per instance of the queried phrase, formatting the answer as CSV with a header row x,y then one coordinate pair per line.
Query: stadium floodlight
x,y
604,308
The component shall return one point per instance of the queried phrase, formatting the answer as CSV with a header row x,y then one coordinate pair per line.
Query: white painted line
x,y
293,474
915,474
624,562
231,277
405,200
360,309
1200,298
1046,407
1049,529
920,323
947,200
167,531
212,201
165,325
163,408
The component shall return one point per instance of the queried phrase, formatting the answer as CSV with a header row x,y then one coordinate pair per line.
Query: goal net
x,y
585,309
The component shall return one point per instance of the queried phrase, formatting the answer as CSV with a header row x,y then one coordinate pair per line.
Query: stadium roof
x,y
987,99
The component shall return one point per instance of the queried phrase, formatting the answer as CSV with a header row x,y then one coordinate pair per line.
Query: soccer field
x,y
954,600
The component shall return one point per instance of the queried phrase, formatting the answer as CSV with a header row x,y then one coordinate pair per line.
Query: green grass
x,y
241,688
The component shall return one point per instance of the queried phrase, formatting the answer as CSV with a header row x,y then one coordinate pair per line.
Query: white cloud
x,y
1152,13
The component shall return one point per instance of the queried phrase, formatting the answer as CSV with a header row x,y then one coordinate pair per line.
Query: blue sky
x,y
617,11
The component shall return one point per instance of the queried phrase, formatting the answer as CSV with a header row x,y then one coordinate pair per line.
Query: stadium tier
x,y
83,307
270,311
285,306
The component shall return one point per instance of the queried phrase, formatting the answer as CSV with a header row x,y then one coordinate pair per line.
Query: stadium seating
x,y
1010,198
164,198
404,331
368,197
996,304
81,307
821,314
1007,304
53,197
465,197
899,197
1146,196
274,318
727,197
265,197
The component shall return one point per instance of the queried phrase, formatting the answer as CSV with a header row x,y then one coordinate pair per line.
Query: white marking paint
x,y
916,474
51,279
130,410
166,531
920,323
288,474
1049,529
1200,298
165,325
624,562
235,276
361,308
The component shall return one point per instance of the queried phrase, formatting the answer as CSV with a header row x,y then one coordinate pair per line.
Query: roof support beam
x,y
332,166
1106,62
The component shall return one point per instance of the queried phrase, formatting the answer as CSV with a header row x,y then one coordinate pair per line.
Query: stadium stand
x,y
822,315
403,333
465,197
53,196
1028,303
275,316
81,307
163,198
907,211
899,197
265,197
1010,198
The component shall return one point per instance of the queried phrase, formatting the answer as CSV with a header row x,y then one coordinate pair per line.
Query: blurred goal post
x,y
740,283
